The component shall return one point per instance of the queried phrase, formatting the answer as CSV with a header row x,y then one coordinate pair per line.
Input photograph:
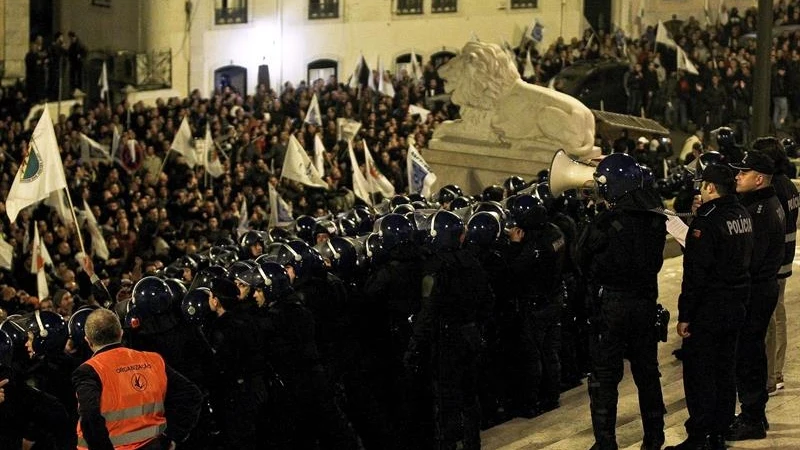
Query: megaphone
x,y
567,173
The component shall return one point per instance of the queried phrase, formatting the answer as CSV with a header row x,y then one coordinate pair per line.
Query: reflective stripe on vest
x,y
144,435
134,412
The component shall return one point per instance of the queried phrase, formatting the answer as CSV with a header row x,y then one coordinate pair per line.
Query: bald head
x,y
103,328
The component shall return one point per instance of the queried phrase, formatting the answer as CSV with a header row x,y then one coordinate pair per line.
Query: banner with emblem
x,y
297,166
6,254
211,156
377,181
41,171
360,183
420,175
314,115
280,213
183,143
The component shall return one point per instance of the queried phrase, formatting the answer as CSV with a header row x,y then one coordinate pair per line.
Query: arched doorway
x,y
403,62
440,58
322,69
234,77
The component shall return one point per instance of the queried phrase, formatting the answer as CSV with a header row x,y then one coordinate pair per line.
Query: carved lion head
x,y
479,75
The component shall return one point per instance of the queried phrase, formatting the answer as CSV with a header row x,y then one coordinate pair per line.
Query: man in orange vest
x,y
122,394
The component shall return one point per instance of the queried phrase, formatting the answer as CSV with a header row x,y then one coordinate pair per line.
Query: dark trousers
x,y
708,375
623,326
751,354
539,347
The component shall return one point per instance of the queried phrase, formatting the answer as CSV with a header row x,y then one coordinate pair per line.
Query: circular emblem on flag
x,y
31,166
139,382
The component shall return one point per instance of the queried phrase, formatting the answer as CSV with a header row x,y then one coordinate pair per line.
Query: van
x,y
597,84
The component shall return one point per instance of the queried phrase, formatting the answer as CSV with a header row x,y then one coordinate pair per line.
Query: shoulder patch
x,y
696,234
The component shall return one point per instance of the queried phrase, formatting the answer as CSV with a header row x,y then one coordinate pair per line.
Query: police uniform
x,y
716,282
621,255
122,394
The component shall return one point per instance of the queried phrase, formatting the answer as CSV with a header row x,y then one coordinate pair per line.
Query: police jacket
x,y
790,200
769,232
289,331
455,293
127,398
535,263
235,340
716,261
396,282
623,247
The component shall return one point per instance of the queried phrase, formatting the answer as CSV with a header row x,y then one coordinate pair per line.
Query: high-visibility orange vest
x,y
132,401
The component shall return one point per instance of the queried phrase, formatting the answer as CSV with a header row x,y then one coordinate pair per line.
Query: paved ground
x,y
569,427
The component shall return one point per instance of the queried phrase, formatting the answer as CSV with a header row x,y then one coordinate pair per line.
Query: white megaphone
x,y
567,173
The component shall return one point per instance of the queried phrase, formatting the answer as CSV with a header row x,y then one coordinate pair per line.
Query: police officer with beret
x,y
754,184
716,283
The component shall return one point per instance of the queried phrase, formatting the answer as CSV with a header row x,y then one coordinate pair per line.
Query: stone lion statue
x,y
498,107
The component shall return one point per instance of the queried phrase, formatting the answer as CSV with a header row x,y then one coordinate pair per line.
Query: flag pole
x,y
164,163
77,227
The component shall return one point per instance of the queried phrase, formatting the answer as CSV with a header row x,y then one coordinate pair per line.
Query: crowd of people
x,y
412,324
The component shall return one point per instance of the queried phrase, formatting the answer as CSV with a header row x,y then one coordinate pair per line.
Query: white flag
x,y
360,184
385,86
92,150
6,254
314,115
527,68
99,246
103,82
211,156
37,264
319,154
297,166
347,128
685,63
58,201
416,70
377,181
41,171
662,36
423,113
244,218
420,176
115,142
280,213
183,143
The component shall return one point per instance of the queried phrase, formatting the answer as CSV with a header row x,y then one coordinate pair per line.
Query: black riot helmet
x,y
6,350
514,184
790,147
448,193
493,193
277,285
460,203
14,327
617,175
77,324
324,226
528,212
399,200
446,230
542,192
725,136
304,228
346,227
151,296
709,158
50,332
341,254
195,308
177,288
483,228
394,230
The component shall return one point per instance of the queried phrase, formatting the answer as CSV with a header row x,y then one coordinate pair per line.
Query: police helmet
x,y
277,284
617,175
225,291
77,324
790,147
403,209
725,137
6,350
50,332
514,184
341,254
492,206
204,277
483,228
420,204
543,176
324,226
172,271
251,238
238,268
374,249
394,230
151,296
416,197
13,326
224,241
460,203
528,212
304,228
543,193
446,230
493,193
280,235
346,227
448,193
399,199
194,307
177,288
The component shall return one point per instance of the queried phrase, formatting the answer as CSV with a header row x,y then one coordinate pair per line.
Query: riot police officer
x,y
716,282
621,255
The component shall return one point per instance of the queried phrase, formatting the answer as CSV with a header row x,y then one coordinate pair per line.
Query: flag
x,y
662,36
536,31
211,156
313,115
41,171
115,142
360,184
416,70
706,12
6,254
347,128
58,201
297,166
372,82
377,181
361,74
319,154
420,176
103,82
244,217
280,213
527,67
685,63
99,246
385,86
92,150
182,143
423,113
37,264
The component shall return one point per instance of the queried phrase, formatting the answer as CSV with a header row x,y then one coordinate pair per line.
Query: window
x,y
230,12
523,4
323,9
444,6
442,57
322,69
409,7
403,62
